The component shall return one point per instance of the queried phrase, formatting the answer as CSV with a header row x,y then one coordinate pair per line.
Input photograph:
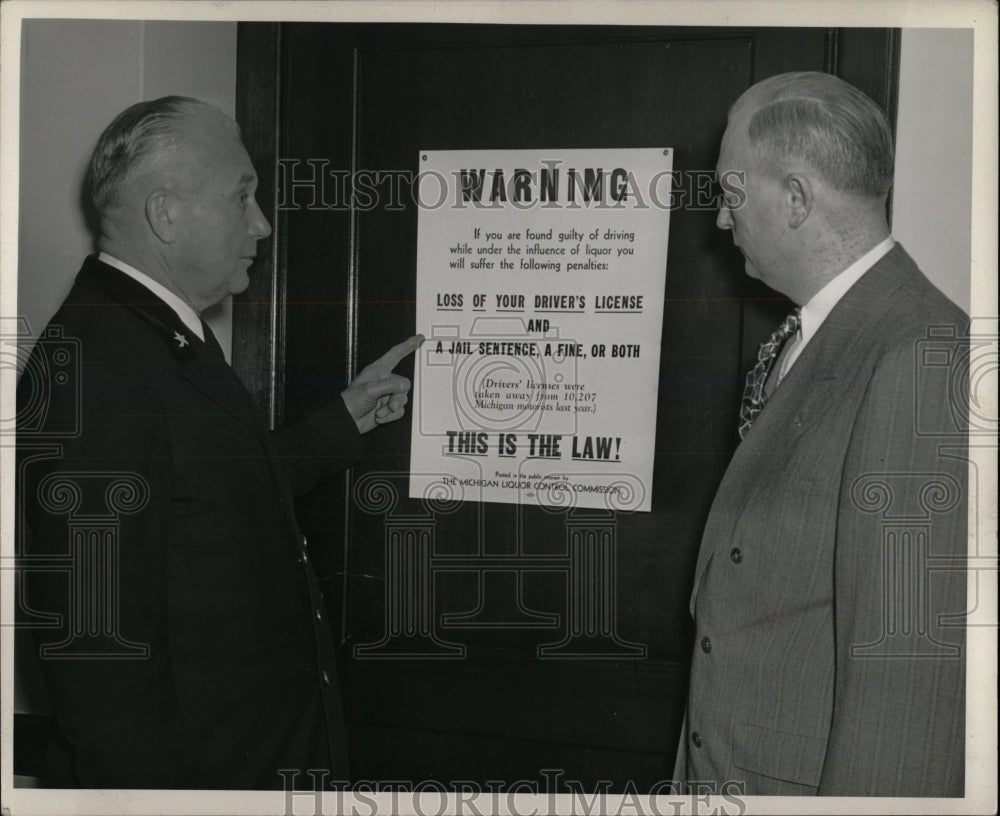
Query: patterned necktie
x,y
754,396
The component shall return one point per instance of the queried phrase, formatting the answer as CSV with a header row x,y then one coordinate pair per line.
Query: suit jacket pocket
x,y
779,754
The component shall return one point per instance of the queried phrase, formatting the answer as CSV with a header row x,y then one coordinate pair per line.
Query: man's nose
x,y
724,220
259,226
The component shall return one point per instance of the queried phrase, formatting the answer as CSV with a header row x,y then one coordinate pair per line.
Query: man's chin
x,y
239,283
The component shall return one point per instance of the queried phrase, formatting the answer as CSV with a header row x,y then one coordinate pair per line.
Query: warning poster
x,y
540,279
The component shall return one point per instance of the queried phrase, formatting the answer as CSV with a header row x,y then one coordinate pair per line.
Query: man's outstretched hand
x,y
377,396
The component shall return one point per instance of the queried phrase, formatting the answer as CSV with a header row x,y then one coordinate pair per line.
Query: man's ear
x,y
160,215
800,198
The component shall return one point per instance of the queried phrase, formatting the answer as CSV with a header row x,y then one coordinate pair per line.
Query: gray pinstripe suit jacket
x,y
822,663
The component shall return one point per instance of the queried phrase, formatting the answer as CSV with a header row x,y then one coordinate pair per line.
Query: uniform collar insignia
x,y
181,339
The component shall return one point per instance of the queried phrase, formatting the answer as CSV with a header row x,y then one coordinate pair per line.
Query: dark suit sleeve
x,y
899,706
318,446
108,669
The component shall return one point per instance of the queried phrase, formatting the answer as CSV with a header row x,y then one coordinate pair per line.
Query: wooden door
x,y
460,661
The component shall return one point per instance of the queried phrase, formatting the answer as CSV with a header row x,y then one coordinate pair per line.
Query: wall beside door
x,y
76,75
932,194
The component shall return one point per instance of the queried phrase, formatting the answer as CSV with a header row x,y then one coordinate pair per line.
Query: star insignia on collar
x,y
181,339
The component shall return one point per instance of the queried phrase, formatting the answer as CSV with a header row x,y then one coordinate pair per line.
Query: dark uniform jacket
x,y
829,593
189,646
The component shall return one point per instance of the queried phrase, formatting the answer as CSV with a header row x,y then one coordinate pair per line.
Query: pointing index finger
x,y
398,353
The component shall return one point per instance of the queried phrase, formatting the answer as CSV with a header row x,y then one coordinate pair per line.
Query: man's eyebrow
x,y
246,179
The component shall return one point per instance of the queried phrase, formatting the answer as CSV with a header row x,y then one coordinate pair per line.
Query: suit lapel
x,y
830,361
212,376
198,364
217,381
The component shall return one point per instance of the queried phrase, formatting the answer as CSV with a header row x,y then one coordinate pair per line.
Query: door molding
x,y
259,312
865,57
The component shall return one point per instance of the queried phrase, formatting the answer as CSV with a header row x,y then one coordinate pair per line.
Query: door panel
x,y
458,659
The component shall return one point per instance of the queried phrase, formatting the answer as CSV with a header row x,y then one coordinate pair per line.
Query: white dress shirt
x,y
189,317
821,304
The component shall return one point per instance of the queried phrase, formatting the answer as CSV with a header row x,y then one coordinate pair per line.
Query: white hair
x,y
827,122
138,135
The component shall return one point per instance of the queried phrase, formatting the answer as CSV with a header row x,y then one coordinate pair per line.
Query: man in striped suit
x,y
829,591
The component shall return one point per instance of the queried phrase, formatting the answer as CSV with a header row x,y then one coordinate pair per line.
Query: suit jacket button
x,y
305,541
696,739
706,645
736,555
319,616
326,678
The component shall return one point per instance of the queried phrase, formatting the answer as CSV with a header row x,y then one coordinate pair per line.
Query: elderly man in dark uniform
x,y
218,671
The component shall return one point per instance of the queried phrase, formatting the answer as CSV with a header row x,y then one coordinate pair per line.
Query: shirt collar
x,y
821,304
188,316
